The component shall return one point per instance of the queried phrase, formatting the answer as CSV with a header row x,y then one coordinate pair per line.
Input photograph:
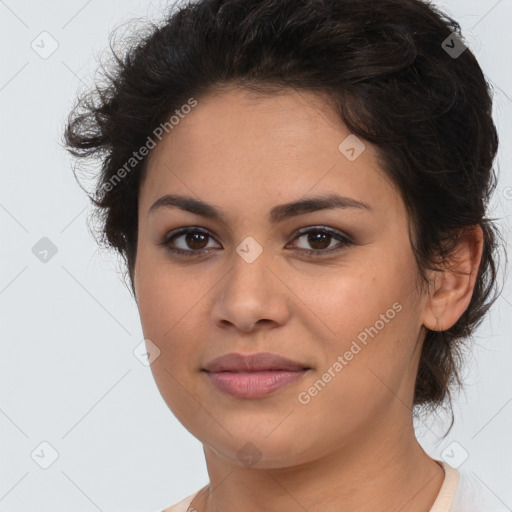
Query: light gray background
x,y
68,375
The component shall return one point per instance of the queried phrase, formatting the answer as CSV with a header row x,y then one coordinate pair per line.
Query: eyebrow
x,y
277,213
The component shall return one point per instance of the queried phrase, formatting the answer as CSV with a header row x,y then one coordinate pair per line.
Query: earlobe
x,y
451,289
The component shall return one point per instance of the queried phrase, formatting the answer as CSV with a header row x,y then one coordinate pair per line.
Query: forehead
x,y
273,147
233,114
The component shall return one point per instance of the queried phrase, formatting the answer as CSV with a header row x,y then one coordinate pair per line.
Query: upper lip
x,y
235,361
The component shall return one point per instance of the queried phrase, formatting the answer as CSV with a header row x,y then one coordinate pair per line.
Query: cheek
x,y
173,308
358,298
169,307
164,294
373,317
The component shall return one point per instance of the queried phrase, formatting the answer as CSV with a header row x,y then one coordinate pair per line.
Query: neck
x,y
379,470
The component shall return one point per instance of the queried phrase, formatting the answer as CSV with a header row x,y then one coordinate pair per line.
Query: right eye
x,y
193,238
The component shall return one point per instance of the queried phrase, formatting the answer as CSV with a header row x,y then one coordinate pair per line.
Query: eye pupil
x,y
318,236
192,238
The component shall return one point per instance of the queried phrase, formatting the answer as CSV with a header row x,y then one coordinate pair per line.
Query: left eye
x,y
320,238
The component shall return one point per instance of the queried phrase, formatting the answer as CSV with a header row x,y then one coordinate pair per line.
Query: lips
x,y
263,361
253,375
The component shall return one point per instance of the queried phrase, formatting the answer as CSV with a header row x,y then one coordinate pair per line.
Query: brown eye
x,y
195,240
320,240
187,242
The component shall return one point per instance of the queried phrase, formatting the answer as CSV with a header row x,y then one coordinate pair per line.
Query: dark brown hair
x,y
385,65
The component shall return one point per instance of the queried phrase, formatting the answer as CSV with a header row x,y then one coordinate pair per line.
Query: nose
x,y
251,295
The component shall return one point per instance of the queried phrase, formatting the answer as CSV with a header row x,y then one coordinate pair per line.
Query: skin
x,y
352,447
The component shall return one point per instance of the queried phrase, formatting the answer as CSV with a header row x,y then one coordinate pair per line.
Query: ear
x,y
451,289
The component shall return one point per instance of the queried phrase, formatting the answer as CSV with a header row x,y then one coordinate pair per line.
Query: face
x,y
333,289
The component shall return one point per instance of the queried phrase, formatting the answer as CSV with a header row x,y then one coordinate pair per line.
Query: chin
x,y
280,449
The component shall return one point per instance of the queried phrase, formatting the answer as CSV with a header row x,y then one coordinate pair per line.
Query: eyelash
x,y
344,241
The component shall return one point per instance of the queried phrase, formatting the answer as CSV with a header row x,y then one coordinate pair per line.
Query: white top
x,y
460,492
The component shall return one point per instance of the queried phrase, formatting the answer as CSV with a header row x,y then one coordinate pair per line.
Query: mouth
x,y
262,361
253,375
254,384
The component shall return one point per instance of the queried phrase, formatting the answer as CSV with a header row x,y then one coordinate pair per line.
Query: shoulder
x,y
473,495
181,506
463,491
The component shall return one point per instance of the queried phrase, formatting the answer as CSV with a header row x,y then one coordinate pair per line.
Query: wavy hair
x,y
386,67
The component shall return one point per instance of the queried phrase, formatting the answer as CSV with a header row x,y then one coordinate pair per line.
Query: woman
x,y
299,191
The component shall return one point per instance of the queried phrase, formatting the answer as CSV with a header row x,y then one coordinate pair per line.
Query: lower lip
x,y
253,384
